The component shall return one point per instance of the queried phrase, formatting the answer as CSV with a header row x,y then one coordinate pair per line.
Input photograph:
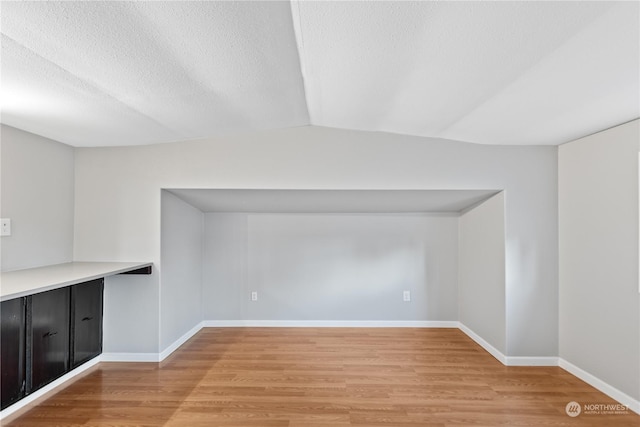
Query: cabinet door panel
x,y
49,336
12,345
87,321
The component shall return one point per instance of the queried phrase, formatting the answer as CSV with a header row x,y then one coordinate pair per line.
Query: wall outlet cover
x,y
406,296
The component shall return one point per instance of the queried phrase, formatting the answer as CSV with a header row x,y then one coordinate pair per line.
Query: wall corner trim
x,y
483,343
509,360
607,389
184,338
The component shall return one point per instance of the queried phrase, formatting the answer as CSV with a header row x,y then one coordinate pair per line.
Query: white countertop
x,y
19,283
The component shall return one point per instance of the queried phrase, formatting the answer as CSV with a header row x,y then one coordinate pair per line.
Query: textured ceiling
x,y
120,73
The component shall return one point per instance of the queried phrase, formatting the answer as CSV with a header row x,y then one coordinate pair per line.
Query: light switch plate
x,y
5,227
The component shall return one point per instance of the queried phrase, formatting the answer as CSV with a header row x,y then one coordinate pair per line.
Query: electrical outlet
x,y
406,296
254,296
5,227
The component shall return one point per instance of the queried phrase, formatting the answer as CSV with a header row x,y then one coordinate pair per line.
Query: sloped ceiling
x,y
121,73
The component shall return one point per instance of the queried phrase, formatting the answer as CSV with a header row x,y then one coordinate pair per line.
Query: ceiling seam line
x,y
88,83
296,22
503,88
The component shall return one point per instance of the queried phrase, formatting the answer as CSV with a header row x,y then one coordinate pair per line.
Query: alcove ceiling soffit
x,y
332,201
142,72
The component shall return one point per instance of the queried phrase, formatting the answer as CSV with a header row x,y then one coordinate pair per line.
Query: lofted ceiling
x,y
141,72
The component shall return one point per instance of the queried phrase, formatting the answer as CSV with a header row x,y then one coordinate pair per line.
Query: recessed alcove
x,y
333,257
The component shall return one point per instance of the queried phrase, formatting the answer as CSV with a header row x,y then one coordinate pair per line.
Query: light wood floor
x,y
323,377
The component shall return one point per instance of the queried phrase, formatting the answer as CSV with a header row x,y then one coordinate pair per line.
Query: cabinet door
x,y
49,333
86,315
12,347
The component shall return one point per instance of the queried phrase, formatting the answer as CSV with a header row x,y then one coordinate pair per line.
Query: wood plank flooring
x,y
338,377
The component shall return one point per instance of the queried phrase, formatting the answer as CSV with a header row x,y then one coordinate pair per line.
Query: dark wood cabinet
x,y
12,347
48,330
46,334
86,321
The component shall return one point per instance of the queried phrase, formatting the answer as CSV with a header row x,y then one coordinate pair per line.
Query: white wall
x,y
224,274
37,176
181,277
131,322
481,280
598,216
331,267
118,204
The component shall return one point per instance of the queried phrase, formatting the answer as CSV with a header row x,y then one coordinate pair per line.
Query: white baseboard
x,y
152,357
607,389
531,361
330,324
484,344
159,357
130,357
48,388
184,338
508,360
